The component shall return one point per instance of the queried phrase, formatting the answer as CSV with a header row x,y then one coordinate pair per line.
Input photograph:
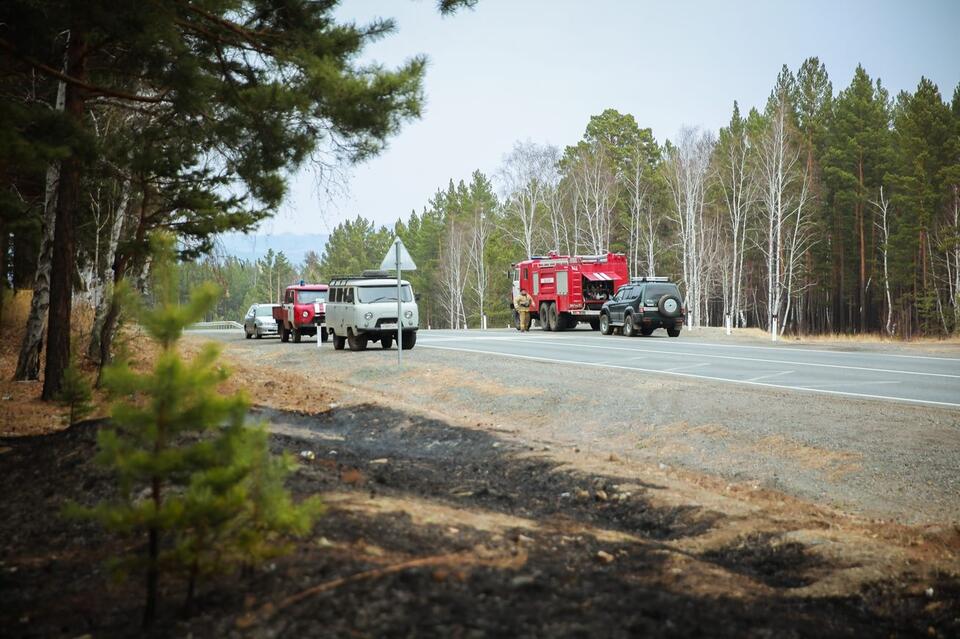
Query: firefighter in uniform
x,y
523,303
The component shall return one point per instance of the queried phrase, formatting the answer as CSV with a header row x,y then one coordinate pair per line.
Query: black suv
x,y
645,304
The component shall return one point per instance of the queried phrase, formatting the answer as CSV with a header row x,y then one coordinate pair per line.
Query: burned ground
x,y
510,542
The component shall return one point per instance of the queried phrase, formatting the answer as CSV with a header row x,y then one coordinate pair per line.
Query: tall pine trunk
x,y
64,235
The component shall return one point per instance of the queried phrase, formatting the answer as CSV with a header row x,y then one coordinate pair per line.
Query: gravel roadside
x,y
877,459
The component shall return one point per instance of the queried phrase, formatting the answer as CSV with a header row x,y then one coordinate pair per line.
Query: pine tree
x,y
215,495
75,393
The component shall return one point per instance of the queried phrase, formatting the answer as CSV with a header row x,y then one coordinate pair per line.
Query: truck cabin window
x,y
309,297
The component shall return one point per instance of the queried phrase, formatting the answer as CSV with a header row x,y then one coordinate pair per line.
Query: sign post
x,y
398,258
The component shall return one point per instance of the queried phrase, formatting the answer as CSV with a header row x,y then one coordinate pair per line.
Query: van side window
x,y
334,292
349,295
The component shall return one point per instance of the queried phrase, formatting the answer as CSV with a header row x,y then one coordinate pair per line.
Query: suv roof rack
x,y
647,278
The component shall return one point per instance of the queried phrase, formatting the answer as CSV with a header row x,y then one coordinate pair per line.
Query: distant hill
x,y
253,247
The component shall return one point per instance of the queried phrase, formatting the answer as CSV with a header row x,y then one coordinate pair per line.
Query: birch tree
x,y
639,179
784,192
594,191
453,268
882,222
687,170
525,177
28,361
739,193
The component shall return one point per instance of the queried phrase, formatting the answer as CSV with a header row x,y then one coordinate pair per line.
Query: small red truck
x,y
303,312
567,289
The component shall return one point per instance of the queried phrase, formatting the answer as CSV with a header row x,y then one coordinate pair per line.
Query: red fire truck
x,y
566,289
303,312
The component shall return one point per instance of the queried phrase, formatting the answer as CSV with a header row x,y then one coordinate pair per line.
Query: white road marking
x,y
757,379
695,376
799,348
866,383
681,368
758,359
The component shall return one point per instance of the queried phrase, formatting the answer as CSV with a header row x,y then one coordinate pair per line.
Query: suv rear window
x,y
653,292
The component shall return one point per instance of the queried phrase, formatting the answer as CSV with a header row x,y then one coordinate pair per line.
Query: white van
x,y
364,309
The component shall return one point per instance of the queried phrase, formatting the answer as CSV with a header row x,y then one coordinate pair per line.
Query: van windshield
x,y
370,294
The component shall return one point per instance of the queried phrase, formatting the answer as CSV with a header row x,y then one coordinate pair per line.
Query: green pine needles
x,y
193,477
75,393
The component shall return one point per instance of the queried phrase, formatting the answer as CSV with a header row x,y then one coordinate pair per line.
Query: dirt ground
x,y
440,527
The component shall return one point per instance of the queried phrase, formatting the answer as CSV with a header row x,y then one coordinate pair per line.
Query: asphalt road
x,y
869,373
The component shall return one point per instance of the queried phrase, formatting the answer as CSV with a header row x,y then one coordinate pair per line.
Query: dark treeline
x,y
121,120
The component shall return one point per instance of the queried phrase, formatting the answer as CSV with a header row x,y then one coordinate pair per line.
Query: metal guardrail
x,y
214,326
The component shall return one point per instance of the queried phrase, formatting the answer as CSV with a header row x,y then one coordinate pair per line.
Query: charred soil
x,y
434,529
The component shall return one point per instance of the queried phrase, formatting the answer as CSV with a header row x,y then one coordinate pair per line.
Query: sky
x,y
519,70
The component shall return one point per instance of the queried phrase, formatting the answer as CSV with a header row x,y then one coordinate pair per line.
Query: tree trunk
x,y
28,362
64,236
863,249
105,299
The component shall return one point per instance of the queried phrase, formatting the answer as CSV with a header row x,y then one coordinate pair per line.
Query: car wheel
x,y
357,343
409,341
605,328
386,343
646,331
259,334
284,334
339,342
628,330
673,332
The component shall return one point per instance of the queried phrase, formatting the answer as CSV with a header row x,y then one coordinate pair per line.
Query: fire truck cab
x,y
567,290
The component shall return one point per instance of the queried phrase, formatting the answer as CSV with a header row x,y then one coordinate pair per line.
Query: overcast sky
x,y
512,70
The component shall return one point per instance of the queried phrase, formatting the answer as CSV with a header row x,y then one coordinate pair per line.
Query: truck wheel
x,y
516,320
357,343
673,332
386,343
553,318
339,342
594,325
409,341
545,317
324,336
297,336
628,328
284,334
605,327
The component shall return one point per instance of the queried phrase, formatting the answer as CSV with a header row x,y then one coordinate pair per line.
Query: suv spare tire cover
x,y
669,305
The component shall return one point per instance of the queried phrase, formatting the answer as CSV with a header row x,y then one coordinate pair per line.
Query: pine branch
x,y
93,89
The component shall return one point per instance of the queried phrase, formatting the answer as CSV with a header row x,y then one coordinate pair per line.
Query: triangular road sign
x,y
389,262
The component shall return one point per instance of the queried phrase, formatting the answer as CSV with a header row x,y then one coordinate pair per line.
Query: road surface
x,y
866,374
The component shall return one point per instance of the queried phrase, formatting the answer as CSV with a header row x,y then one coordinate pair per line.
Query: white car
x,y
364,309
259,321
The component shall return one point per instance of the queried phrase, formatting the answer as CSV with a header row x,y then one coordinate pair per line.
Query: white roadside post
x,y
399,258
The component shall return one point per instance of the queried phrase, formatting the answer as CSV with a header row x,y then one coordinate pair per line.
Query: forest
x,y
817,212
831,212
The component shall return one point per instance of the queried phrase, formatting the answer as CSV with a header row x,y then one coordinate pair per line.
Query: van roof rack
x,y
649,278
